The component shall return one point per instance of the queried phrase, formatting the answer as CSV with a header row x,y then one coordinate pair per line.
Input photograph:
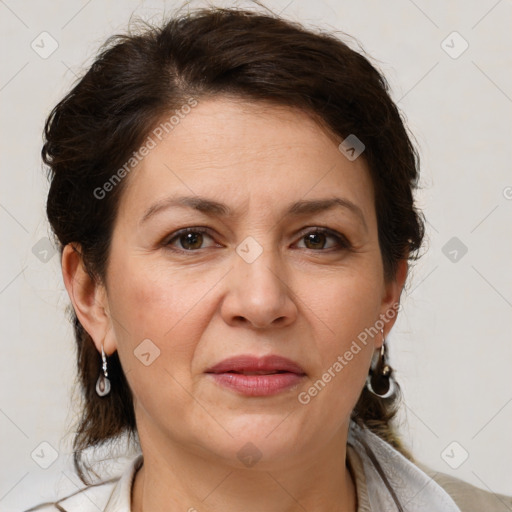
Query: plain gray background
x,y
451,346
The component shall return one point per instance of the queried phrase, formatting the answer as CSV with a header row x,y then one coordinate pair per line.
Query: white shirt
x,y
414,489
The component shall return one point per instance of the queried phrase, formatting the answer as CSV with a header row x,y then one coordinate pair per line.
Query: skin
x,y
305,300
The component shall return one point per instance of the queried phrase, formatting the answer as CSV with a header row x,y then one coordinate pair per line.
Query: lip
x,y
249,363
247,381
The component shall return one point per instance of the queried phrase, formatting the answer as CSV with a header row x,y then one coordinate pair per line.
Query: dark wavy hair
x,y
138,78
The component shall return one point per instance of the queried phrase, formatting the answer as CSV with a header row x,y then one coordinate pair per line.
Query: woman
x,y
233,199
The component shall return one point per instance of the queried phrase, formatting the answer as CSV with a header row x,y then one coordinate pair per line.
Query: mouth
x,y
258,373
257,376
254,365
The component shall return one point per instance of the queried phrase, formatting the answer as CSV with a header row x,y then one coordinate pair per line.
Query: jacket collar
x,y
390,477
121,498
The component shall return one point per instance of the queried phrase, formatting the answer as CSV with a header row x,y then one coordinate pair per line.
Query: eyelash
x,y
342,241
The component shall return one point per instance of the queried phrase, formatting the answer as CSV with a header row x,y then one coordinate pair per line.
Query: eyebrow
x,y
214,208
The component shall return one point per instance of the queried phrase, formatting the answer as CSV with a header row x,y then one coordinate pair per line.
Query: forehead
x,y
230,150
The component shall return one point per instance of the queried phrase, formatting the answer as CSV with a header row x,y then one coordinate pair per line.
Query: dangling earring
x,y
379,380
103,383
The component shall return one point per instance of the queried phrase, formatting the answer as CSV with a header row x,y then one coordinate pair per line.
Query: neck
x,y
177,479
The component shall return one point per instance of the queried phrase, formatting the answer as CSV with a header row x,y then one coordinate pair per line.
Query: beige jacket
x,y
467,497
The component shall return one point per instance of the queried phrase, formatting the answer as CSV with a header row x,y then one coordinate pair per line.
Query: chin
x,y
259,436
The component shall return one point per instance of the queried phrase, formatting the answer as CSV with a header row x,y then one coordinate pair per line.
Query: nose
x,y
259,292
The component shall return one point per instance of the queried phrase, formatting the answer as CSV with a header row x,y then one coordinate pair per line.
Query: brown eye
x,y
191,241
315,240
188,239
318,238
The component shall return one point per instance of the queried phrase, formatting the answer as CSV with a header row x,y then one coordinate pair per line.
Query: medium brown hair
x,y
138,78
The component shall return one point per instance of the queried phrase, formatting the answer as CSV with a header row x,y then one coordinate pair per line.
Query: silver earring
x,y
103,383
380,381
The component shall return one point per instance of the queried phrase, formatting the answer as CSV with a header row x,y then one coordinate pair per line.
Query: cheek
x,y
167,308
156,335
152,301
344,304
344,309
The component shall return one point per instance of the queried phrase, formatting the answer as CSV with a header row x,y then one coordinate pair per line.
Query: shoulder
x,y
113,495
89,499
416,484
468,497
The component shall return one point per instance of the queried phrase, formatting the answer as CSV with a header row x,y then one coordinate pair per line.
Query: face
x,y
254,276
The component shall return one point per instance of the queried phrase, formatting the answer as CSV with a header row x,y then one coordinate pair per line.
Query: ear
x,y
391,296
89,299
